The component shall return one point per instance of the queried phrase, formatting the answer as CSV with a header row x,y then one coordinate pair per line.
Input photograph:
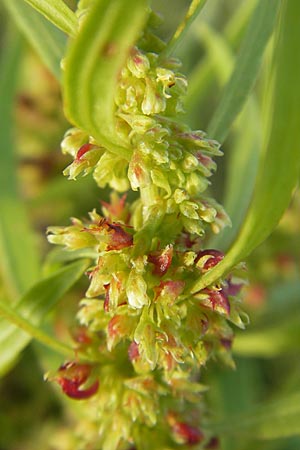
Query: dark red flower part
x,y
218,300
213,443
119,238
172,288
116,207
73,390
161,260
71,376
106,300
232,288
227,343
188,434
83,150
215,257
81,336
133,351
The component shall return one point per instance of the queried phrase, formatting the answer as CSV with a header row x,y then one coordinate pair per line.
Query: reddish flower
x,y
213,258
170,288
83,150
116,208
106,300
213,443
71,377
217,300
119,238
161,260
187,434
133,351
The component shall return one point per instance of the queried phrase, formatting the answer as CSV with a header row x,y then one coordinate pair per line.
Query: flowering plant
x,y
163,294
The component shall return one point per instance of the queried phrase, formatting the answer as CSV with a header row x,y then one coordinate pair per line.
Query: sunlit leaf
x,y
192,13
93,63
45,38
58,13
18,253
247,66
279,165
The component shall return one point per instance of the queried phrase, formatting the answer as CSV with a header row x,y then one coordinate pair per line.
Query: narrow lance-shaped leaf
x,y
19,260
45,38
93,63
203,74
246,69
192,13
33,306
58,13
279,165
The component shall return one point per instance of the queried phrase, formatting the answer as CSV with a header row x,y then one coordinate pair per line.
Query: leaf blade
x,y
34,306
17,242
58,13
280,163
93,63
246,68
45,38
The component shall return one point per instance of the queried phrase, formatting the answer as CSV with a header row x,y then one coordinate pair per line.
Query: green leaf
x,y
45,38
58,13
242,163
192,13
18,253
247,66
93,63
274,419
204,72
33,307
33,331
280,160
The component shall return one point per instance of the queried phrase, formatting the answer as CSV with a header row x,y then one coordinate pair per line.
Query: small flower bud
x,y
206,259
71,376
161,260
186,434
136,290
216,300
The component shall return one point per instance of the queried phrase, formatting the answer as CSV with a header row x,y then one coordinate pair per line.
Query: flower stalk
x,y
139,312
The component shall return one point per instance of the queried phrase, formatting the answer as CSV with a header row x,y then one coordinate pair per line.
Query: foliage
x,y
161,293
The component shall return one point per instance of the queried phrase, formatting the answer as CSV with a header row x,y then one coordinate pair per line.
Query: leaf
x,y
242,163
203,74
33,331
280,159
18,253
58,13
45,38
247,66
34,306
274,419
192,13
93,62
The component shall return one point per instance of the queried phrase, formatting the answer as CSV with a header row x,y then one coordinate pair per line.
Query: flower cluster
x,y
143,331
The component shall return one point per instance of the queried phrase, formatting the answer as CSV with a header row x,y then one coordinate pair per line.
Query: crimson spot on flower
x,y
187,434
119,238
133,351
83,150
208,259
217,300
161,260
71,376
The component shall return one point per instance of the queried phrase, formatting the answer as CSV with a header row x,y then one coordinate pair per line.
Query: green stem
x,y
193,11
10,315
